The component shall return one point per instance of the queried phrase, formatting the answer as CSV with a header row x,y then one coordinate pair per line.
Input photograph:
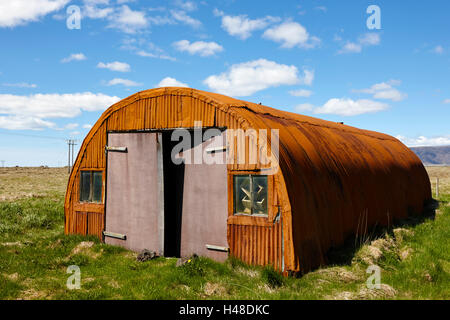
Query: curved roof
x,y
338,178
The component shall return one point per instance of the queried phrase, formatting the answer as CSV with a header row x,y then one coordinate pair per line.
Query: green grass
x,y
35,254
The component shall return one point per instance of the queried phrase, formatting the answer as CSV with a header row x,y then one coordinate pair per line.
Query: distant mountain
x,y
433,155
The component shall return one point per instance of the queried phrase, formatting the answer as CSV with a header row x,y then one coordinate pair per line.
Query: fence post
x,y
437,187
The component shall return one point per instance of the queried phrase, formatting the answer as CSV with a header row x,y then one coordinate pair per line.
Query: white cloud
x,y
19,12
186,5
201,48
385,90
246,78
147,54
87,126
349,107
368,39
74,57
114,66
423,141
308,77
124,82
447,101
171,82
291,34
241,26
32,111
304,107
182,17
24,123
438,50
90,10
301,93
128,20
351,47
71,126
20,85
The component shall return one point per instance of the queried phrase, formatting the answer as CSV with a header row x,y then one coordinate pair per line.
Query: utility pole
x,y
71,143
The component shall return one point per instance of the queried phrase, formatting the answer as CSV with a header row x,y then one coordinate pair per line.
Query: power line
x,y
32,135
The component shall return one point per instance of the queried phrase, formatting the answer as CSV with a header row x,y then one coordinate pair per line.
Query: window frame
x,y
91,186
246,218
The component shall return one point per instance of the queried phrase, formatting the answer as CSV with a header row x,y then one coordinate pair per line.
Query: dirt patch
x,y
339,274
32,294
85,247
12,244
215,289
248,272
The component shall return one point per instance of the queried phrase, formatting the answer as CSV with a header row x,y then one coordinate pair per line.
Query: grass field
x,y
34,256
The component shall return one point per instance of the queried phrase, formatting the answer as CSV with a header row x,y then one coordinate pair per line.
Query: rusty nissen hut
x,y
332,181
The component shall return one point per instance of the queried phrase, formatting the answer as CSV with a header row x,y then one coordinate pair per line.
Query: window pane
x,y
259,194
98,186
242,194
85,185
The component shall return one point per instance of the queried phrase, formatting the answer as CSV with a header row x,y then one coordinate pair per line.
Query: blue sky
x,y
317,58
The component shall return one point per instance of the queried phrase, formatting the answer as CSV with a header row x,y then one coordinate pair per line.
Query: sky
x,y
378,65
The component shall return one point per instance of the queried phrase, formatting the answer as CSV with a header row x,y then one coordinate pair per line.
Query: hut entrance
x,y
174,208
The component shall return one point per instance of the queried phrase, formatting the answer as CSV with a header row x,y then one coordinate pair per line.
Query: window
x,y
250,194
91,185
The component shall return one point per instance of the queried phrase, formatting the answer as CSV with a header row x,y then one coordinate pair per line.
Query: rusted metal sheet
x,y
331,177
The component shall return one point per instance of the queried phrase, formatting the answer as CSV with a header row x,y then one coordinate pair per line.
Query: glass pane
x,y
85,185
259,194
98,186
242,195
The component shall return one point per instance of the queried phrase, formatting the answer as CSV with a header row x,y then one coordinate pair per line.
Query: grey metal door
x,y
205,203
133,206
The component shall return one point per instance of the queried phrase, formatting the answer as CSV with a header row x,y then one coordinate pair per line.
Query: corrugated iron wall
x,y
332,176
161,112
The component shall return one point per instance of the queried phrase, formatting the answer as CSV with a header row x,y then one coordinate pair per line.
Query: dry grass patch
x,y
27,182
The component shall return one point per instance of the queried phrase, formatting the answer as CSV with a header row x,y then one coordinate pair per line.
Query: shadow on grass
x,y
343,255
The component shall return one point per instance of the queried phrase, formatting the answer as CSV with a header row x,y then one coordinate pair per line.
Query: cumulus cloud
x,y
147,54
171,82
291,34
21,12
246,78
114,66
368,39
241,26
349,107
446,101
74,57
184,18
128,20
124,82
301,93
24,123
201,48
423,141
385,90
33,111
87,126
